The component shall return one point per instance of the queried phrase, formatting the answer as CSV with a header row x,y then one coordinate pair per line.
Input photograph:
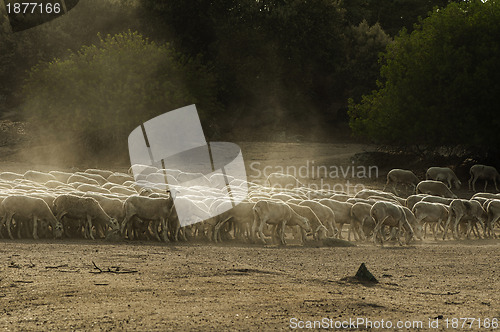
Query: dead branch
x,y
113,269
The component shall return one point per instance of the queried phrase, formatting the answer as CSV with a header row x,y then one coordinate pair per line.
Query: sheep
x,y
52,184
31,208
443,174
414,199
340,197
426,212
192,212
464,210
386,213
342,212
39,177
61,176
81,179
148,209
117,189
319,231
366,193
435,188
279,180
85,209
119,178
361,200
385,199
493,211
275,213
402,176
10,176
325,215
101,172
486,195
282,197
415,225
91,188
242,216
484,173
360,220
112,206
101,180
437,199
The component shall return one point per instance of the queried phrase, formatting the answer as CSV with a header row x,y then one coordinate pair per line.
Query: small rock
x,y
364,275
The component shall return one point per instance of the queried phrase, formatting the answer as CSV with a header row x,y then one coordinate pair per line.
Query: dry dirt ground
x,y
98,285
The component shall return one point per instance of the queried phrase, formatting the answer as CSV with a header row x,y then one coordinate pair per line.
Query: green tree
x,y
98,94
439,85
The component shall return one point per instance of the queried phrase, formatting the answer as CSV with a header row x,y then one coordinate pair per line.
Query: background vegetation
x,y
259,69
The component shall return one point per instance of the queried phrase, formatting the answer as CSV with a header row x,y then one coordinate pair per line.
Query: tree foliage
x,y
439,84
98,94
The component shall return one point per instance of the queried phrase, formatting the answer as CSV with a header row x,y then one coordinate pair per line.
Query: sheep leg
x,y
282,233
495,182
395,189
447,225
254,226
182,232
164,231
35,227
8,225
261,231
88,229
386,184
485,184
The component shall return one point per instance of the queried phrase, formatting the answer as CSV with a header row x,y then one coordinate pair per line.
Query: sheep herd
x,y
103,204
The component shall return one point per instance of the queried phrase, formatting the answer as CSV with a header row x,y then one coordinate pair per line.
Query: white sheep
x,y
112,206
119,178
61,176
437,199
92,188
319,231
462,210
482,172
276,213
493,211
77,178
366,193
415,225
443,174
401,176
242,217
99,178
386,213
362,223
39,177
342,212
10,176
101,172
29,208
414,199
431,213
279,180
325,215
147,209
435,188
88,211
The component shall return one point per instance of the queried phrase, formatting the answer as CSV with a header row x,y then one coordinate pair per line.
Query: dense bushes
x,y
439,84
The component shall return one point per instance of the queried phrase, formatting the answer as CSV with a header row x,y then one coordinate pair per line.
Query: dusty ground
x,y
236,286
